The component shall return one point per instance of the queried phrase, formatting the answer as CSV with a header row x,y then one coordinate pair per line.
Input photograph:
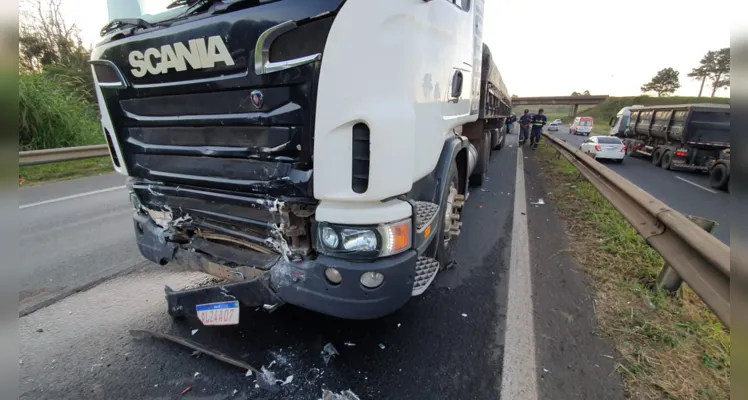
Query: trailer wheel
x,y
657,157
718,178
481,167
667,160
630,150
501,135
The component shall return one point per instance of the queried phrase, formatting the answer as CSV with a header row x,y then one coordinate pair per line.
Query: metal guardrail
x,y
690,252
48,156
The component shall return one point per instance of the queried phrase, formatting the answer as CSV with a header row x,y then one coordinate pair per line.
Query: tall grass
x,y
53,113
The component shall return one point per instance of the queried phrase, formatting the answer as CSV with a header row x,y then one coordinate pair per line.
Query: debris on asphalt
x,y
194,331
271,307
141,334
328,352
185,391
605,355
351,344
20,362
249,373
316,375
288,380
398,325
234,392
344,395
196,354
539,202
266,377
381,346
545,370
196,374
40,330
464,315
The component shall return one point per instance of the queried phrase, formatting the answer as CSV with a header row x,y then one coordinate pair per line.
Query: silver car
x,y
554,125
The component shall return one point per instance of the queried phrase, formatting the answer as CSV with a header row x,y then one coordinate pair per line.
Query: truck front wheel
x,y
451,205
718,178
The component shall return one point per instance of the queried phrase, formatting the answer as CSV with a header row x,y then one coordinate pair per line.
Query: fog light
x,y
330,237
372,280
333,275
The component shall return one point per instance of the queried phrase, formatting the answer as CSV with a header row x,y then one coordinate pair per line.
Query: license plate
x,y
223,313
611,148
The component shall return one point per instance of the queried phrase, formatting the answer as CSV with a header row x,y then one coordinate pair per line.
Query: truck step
x,y
425,213
426,270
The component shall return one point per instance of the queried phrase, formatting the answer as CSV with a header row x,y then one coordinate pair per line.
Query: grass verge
x,y
671,347
47,173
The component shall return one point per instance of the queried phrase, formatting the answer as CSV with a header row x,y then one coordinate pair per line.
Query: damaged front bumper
x,y
257,279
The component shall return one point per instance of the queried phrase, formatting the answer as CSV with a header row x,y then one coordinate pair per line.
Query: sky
x,y
554,47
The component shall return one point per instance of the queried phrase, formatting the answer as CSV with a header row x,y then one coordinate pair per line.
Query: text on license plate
x,y
611,148
223,313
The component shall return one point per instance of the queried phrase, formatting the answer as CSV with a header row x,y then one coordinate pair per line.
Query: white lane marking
x,y
75,196
696,184
518,378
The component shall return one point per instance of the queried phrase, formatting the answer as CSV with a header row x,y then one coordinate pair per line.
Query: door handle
x,y
456,87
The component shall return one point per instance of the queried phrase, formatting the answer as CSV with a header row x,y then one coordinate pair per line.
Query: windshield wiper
x,y
122,22
188,3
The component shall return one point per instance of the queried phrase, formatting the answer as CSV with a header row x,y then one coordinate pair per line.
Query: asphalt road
x,y
516,297
688,192
73,234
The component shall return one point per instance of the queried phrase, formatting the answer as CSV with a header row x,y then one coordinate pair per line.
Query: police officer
x,y
538,122
524,127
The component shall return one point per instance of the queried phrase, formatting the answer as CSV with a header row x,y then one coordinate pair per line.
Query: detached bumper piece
x,y
253,293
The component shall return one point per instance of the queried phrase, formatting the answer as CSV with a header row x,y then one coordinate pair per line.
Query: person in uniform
x,y
524,127
538,122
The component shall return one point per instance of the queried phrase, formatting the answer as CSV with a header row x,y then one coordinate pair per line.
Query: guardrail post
x,y
669,280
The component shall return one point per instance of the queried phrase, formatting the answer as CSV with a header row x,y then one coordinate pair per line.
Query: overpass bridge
x,y
575,101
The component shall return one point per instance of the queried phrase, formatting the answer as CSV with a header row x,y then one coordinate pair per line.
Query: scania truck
x,y
309,152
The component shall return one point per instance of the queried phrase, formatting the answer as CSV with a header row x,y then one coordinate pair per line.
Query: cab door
x,y
461,80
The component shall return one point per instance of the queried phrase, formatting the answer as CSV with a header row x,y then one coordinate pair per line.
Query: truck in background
x,y
689,136
620,121
311,152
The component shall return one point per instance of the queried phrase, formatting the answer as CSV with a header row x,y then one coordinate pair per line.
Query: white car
x,y
607,147
554,125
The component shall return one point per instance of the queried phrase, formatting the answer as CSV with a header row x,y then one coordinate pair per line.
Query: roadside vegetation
x,y
670,346
56,105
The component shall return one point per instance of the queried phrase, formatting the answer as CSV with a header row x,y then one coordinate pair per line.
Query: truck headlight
x,y
364,241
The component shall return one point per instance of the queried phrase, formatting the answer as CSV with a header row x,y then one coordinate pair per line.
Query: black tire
x,y
501,140
718,177
484,159
667,160
630,150
657,157
437,249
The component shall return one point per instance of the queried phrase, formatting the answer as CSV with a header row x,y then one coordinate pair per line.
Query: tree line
x,y
57,101
714,67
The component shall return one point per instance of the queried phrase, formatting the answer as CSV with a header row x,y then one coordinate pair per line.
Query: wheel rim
x,y
449,210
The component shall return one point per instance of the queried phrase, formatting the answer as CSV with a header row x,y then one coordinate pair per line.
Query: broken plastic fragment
x,y
234,392
539,202
288,380
464,315
349,344
382,346
345,395
194,331
196,374
249,373
328,352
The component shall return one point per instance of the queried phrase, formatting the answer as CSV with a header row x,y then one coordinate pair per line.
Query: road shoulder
x,y
573,360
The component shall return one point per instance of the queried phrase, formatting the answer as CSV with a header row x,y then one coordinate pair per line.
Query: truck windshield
x,y
148,10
